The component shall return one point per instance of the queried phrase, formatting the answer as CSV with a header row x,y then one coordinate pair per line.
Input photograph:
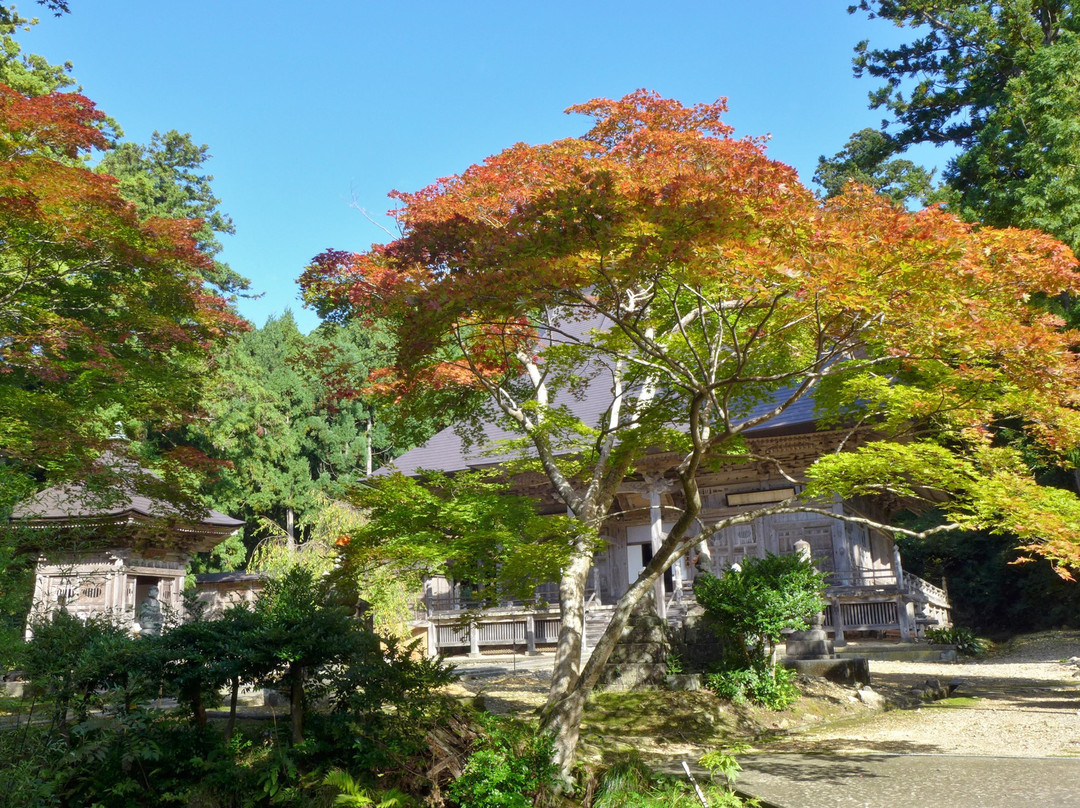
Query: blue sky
x,y
312,110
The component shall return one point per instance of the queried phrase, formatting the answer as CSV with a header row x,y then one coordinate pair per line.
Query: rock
x,y
683,681
846,671
954,685
870,698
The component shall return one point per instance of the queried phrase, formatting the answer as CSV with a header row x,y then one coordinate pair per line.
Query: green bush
x,y
510,766
754,605
751,607
964,639
760,683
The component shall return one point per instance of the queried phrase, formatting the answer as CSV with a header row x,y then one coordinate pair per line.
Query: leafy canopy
x,y
998,80
103,315
658,284
722,284
165,179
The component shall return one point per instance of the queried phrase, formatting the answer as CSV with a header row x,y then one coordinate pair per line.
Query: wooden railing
x,y
933,594
862,576
460,599
865,616
510,630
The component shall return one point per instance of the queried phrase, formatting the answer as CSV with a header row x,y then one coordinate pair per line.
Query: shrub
x,y
510,766
754,605
963,638
760,683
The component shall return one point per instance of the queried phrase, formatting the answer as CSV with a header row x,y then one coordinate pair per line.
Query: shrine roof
x,y
75,501
448,452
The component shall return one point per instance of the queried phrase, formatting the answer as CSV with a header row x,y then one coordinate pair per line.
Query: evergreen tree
x,y
260,404
1000,80
165,178
869,158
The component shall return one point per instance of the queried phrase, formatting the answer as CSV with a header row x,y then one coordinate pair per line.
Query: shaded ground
x,y
1021,700
917,781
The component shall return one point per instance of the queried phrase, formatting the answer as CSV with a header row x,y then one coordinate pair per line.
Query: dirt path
x,y
1021,701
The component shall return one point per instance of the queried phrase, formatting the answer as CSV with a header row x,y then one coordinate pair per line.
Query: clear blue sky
x,y
314,109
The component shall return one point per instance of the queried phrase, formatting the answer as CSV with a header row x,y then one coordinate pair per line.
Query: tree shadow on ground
x,y
829,770
693,717
838,746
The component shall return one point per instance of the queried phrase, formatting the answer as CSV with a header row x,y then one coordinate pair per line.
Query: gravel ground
x,y
1020,701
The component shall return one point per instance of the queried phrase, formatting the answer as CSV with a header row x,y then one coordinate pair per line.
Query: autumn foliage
x,y
723,279
98,310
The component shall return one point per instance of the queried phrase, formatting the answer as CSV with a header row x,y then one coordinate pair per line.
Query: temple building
x,y
121,551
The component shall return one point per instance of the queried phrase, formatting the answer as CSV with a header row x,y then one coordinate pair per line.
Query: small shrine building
x,y
114,552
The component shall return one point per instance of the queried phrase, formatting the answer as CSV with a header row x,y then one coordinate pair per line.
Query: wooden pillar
x,y
838,623
474,640
530,635
432,639
898,568
657,539
902,619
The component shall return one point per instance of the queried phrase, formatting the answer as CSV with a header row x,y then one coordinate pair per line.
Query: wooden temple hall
x,y
868,589
118,552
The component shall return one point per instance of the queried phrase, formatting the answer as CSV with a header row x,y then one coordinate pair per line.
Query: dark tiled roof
x,y
446,450
73,501
227,577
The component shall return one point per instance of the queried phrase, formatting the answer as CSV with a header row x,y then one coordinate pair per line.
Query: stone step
x,y
898,653
596,622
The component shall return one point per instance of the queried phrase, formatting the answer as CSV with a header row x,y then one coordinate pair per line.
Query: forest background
x,y
272,421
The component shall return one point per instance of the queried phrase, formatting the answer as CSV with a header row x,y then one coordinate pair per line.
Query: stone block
x,y
809,644
683,681
844,671
870,698
635,652
645,630
630,676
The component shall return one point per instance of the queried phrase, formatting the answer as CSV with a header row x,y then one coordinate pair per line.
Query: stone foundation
x,y
696,643
639,659
846,671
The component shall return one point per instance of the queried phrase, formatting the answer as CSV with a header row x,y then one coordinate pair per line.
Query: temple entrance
x,y
637,557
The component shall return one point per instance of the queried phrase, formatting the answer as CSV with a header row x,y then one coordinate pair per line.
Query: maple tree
x,y
676,270
103,316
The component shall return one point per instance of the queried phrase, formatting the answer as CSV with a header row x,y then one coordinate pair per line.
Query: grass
x,y
957,702
13,706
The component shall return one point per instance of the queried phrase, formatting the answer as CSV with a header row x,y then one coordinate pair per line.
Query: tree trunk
x,y
290,529
198,707
567,665
231,726
563,713
368,455
296,702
